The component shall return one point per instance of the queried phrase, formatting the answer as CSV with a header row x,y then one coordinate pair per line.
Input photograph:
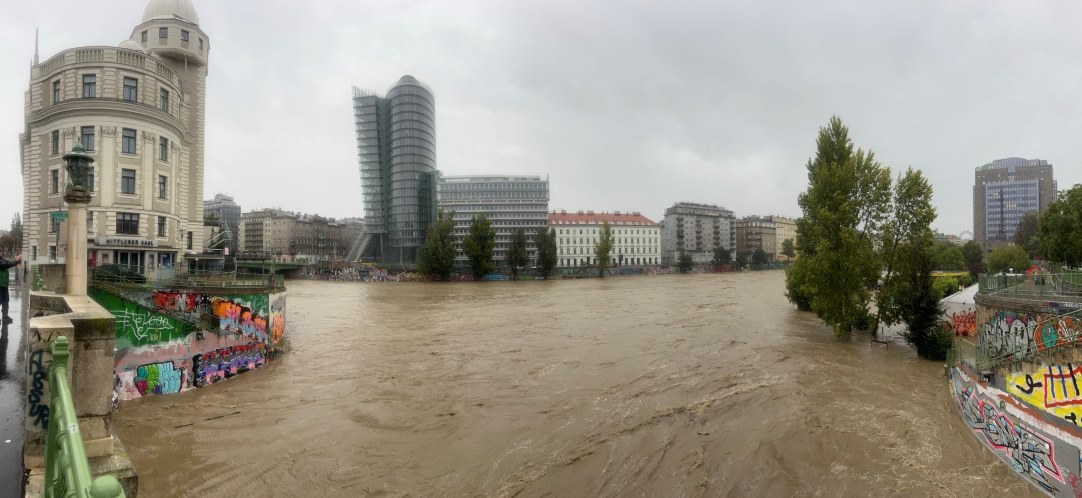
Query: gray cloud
x,y
626,105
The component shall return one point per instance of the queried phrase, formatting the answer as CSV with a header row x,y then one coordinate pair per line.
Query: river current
x,y
676,385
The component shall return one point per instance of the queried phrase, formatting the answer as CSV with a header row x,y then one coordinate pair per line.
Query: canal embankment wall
x,y
175,339
1020,388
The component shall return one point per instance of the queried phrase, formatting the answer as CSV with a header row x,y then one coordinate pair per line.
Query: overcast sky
x,y
625,105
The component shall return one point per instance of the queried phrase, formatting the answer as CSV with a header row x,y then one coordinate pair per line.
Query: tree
x,y
602,248
546,251
844,210
974,258
1061,228
1026,235
685,262
1008,258
788,248
478,245
947,257
437,258
741,260
722,256
906,251
516,254
918,305
759,257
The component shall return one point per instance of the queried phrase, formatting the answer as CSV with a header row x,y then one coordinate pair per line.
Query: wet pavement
x,y
12,384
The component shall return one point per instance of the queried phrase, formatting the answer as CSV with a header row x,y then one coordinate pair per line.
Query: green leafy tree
x,y
516,254
947,257
685,262
545,240
1027,235
759,257
602,248
944,286
722,256
974,258
478,245
741,260
1008,258
908,231
844,210
788,248
437,258
1061,228
918,305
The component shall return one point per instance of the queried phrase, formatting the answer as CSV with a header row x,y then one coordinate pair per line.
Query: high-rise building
x,y
396,150
636,239
138,109
226,213
509,202
1003,191
695,229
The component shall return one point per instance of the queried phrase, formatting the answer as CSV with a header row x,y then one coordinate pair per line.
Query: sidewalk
x,y
12,395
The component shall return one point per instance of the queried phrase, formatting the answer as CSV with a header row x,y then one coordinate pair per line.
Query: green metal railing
x,y
67,472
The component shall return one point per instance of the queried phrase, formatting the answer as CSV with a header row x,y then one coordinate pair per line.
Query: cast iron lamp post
x,y
77,195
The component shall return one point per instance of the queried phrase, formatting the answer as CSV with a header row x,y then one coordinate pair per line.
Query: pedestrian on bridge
x,y
4,297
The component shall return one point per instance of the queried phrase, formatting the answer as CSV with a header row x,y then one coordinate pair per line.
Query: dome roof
x,y
132,45
169,9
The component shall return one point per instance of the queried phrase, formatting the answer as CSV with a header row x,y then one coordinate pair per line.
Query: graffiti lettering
x,y
1030,385
39,375
964,323
1011,334
142,324
224,363
158,378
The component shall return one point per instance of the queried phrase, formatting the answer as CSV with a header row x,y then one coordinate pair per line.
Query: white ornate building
x,y
138,108
636,239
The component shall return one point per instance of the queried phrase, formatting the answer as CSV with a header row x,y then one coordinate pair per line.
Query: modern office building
x,y
696,229
224,212
509,202
636,239
138,109
1003,191
396,151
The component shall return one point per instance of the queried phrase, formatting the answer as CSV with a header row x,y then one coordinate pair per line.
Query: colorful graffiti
x,y
963,323
136,325
1029,452
1055,389
37,401
246,316
1011,334
277,317
224,363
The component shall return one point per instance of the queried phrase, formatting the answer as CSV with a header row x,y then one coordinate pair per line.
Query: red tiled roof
x,y
589,217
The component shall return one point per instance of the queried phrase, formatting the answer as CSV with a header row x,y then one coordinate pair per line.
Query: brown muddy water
x,y
679,385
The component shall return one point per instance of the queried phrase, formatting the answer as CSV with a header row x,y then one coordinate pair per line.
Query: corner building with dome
x,y
138,109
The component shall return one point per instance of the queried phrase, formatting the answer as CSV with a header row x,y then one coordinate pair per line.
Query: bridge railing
x,y
67,471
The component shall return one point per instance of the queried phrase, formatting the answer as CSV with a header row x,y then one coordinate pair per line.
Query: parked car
x,y
117,273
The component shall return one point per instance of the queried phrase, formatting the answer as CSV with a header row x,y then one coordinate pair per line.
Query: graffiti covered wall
x,y
170,340
1010,334
1043,454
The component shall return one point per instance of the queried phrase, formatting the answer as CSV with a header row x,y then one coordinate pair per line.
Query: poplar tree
x,y
545,240
479,244
516,254
602,249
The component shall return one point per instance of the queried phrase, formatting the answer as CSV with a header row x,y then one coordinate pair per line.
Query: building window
x,y
131,89
127,181
56,91
54,181
127,141
54,142
90,178
33,252
163,187
90,86
163,33
144,36
165,100
163,148
52,253
87,134
184,35
89,222
54,224
200,45
127,223
189,240
161,226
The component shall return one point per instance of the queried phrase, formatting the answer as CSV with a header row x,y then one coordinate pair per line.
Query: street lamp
x,y
77,195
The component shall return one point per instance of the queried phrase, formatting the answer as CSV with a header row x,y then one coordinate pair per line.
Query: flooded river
x,y
679,385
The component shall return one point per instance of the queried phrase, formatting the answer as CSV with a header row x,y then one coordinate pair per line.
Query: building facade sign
x,y
127,242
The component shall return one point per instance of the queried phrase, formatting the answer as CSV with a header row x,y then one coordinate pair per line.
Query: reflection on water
x,y
680,385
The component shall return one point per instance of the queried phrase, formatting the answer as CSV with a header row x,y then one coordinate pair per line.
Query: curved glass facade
x,y
396,150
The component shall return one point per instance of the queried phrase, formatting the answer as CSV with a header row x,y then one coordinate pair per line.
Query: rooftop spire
x,y
35,46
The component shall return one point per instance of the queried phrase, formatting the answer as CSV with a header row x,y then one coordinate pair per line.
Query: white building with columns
x,y
138,109
636,240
